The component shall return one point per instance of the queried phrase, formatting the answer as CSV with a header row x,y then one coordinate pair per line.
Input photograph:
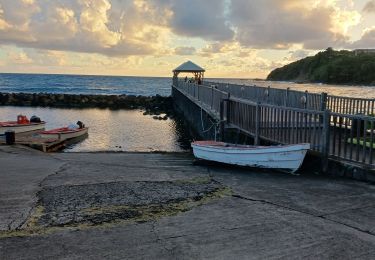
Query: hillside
x,y
331,67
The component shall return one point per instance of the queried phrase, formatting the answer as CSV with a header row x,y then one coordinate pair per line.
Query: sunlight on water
x,y
123,130
337,90
146,86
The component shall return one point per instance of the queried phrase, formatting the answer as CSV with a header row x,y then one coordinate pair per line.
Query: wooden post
x,y
228,108
323,101
323,105
222,123
325,139
257,124
286,97
197,89
212,96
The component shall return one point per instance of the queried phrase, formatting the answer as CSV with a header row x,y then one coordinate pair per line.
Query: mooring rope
x,y
213,124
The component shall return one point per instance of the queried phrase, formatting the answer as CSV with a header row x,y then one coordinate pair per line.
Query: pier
x,y
340,129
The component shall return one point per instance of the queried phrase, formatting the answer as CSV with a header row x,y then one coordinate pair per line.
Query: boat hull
x,y
288,157
20,128
65,135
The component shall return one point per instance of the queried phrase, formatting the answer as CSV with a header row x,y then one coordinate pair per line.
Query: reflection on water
x,y
122,130
337,90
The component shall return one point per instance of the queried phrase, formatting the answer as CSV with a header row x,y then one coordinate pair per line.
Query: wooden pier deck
x,y
31,139
339,128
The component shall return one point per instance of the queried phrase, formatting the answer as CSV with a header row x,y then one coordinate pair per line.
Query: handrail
x,y
346,136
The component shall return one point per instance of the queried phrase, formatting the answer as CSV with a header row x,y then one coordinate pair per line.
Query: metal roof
x,y
189,67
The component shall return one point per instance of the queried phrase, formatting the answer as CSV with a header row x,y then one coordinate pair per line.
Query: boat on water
x,y
22,125
64,133
283,157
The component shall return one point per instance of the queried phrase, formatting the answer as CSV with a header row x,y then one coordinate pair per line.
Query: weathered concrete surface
x,y
21,172
173,210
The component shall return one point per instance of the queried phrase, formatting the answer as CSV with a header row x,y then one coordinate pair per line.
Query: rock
x,y
156,105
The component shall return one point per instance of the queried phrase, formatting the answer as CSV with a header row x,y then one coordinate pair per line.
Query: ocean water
x,y
126,130
78,84
337,90
146,86
120,130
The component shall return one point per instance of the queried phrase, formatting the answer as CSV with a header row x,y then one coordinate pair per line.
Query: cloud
x,y
184,51
196,18
117,28
298,54
279,24
367,40
19,58
369,7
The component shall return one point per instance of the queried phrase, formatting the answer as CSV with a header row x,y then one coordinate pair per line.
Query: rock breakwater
x,y
153,105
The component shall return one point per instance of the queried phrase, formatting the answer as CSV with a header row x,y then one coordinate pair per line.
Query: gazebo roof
x,y
189,67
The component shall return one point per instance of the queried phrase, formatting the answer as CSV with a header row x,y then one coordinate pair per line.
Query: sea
x,y
128,130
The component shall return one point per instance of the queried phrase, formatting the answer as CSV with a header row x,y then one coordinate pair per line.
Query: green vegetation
x,y
331,67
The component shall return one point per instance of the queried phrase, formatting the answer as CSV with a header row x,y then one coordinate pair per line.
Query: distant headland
x,y
331,67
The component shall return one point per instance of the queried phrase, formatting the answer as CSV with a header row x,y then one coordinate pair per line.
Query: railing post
x,y
212,96
222,124
323,101
228,109
325,139
323,104
197,87
286,97
257,124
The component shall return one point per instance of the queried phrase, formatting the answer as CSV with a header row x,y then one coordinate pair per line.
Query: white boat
x,y
284,157
22,125
64,133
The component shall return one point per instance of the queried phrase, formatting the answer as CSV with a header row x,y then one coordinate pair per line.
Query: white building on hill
x,y
364,51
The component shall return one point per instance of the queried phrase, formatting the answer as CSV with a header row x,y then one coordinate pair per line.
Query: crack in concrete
x,y
303,212
345,210
35,202
159,240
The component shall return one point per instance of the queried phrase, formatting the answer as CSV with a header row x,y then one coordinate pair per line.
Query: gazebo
x,y
190,67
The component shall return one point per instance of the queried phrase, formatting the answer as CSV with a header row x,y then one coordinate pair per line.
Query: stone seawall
x,y
153,105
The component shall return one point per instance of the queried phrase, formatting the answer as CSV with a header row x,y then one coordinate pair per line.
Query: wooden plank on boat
x,y
43,144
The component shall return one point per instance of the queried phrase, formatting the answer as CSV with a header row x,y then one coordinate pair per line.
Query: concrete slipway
x,y
150,206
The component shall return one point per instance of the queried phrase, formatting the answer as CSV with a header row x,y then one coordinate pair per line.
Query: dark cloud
x,y
200,18
369,7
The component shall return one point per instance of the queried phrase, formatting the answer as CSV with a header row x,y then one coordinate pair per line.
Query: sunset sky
x,y
230,38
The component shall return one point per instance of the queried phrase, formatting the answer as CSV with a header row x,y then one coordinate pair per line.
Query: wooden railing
x,y
332,134
351,106
274,96
352,137
278,124
299,99
210,96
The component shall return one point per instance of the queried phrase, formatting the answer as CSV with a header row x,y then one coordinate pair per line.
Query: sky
x,y
229,38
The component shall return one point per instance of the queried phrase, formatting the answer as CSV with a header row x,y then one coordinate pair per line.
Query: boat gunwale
x,y
15,124
68,131
220,146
